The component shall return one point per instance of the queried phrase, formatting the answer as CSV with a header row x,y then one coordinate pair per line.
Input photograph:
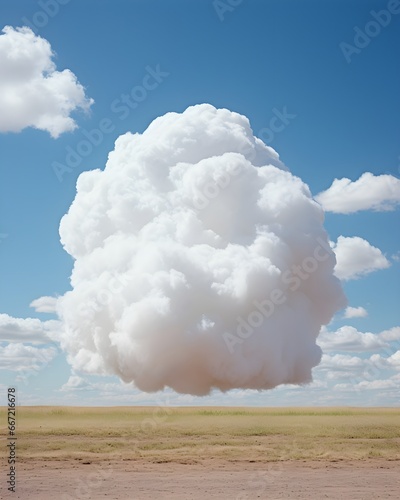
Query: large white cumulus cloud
x,y
189,226
32,92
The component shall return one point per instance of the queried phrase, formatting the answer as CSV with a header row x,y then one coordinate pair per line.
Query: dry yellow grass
x,y
196,434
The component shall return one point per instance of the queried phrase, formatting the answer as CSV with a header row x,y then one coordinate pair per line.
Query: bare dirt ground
x,y
183,453
132,479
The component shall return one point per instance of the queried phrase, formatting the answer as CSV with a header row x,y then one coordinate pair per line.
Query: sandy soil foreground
x,y
71,479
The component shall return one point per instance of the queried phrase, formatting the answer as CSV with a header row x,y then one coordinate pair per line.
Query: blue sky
x,y
255,58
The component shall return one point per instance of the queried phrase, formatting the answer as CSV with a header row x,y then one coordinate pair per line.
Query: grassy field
x,y
195,434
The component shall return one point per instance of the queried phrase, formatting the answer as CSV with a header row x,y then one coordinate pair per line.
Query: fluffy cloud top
x,y
32,92
356,257
192,227
369,192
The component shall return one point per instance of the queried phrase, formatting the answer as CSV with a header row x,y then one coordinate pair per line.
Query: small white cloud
x,y
32,92
75,382
342,362
355,312
356,257
28,330
44,304
25,358
369,192
348,338
396,257
391,335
